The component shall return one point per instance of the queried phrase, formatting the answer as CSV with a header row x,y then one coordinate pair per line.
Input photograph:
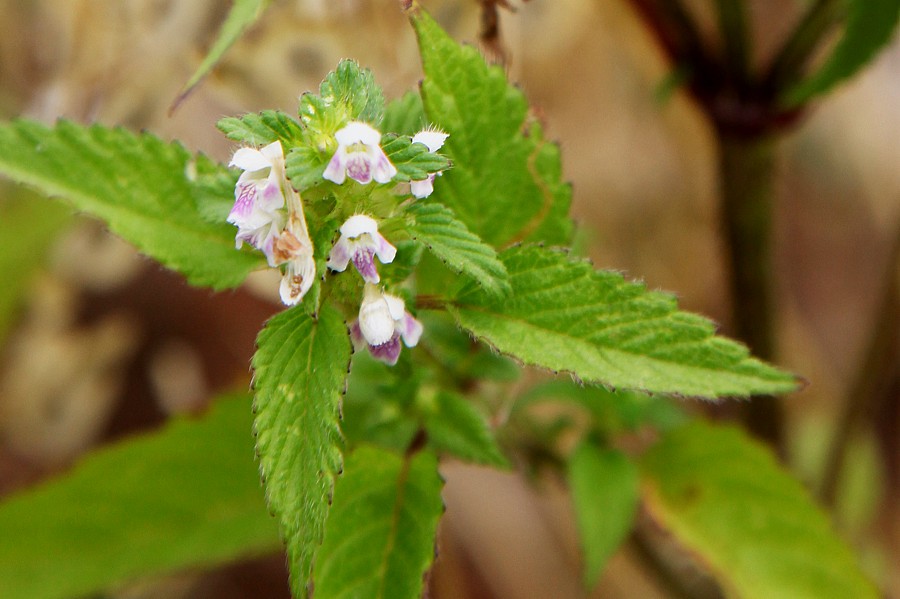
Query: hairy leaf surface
x,y
304,167
262,128
300,371
348,93
566,316
505,184
457,247
186,496
141,186
354,89
413,160
727,500
380,534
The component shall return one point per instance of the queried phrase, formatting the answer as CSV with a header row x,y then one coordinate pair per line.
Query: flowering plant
x,y
450,206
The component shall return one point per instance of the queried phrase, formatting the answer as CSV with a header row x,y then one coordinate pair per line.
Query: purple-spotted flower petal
x,y
388,352
360,243
383,322
359,156
259,197
433,140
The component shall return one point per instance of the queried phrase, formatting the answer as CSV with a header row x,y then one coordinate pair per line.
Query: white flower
x,y
259,197
383,322
269,216
360,241
295,248
359,156
434,140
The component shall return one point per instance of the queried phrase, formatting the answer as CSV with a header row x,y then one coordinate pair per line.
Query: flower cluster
x,y
269,215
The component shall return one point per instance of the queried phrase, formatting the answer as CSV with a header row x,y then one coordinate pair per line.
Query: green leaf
x,y
300,370
870,25
505,184
413,160
243,14
304,167
455,426
727,500
214,194
353,88
604,485
457,247
565,316
376,406
404,116
348,93
409,254
262,128
379,539
28,228
140,185
186,496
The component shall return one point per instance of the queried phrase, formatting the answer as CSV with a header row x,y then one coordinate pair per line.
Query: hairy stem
x,y
873,378
747,170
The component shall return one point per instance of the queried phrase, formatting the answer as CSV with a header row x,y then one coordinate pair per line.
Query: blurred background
x,y
103,343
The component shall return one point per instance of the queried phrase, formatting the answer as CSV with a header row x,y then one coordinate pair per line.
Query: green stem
x,y
747,170
873,377
733,25
790,61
